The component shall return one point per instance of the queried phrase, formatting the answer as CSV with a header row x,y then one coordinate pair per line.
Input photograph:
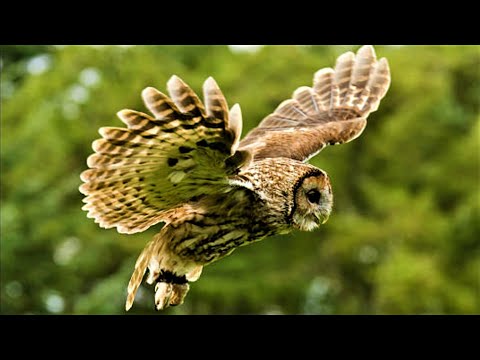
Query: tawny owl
x,y
188,168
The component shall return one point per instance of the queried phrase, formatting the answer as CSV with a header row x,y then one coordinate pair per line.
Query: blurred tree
x,y
403,237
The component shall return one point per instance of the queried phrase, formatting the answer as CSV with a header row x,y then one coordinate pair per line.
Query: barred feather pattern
x,y
140,173
186,166
333,111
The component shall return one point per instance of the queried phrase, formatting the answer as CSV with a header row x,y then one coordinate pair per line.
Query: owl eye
x,y
313,196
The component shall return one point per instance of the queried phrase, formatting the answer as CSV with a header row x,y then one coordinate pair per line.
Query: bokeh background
x,y
404,237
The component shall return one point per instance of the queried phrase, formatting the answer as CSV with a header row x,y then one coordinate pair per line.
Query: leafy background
x,y
404,235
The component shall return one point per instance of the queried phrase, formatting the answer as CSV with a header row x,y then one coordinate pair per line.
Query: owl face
x,y
313,202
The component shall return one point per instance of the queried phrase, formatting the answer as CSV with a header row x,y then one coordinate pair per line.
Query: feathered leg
x,y
170,272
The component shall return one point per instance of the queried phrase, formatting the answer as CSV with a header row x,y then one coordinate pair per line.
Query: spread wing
x,y
138,174
333,111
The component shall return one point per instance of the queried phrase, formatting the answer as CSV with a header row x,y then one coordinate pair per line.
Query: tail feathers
x,y
353,89
137,276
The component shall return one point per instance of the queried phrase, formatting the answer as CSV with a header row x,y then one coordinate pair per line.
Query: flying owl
x,y
187,167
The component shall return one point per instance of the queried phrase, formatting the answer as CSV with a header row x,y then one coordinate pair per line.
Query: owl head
x,y
313,201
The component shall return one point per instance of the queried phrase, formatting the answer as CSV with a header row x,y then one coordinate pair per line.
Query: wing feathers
x,y
342,77
214,100
136,120
378,85
159,104
138,174
322,85
364,64
351,91
305,97
290,109
343,72
184,97
235,126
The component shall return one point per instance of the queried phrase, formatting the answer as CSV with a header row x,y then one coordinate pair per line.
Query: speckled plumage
x,y
187,167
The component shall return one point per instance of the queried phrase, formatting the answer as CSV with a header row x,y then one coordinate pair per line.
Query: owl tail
x,y
171,274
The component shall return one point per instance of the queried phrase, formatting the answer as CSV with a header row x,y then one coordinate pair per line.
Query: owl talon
x,y
168,294
163,293
178,294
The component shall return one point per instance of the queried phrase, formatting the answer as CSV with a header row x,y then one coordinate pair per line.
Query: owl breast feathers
x,y
187,167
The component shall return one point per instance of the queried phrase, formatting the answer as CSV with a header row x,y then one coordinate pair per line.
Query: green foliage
x,y
404,235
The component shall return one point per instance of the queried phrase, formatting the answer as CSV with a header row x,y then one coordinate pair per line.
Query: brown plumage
x,y
187,167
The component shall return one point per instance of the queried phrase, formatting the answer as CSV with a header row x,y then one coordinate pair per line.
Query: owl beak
x,y
323,217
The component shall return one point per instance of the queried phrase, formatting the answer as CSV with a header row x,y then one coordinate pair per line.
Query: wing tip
x,y
81,188
348,56
384,63
300,90
149,91
328,71
123,113
284,103
366,51
236,109
175,82
210,84
235,124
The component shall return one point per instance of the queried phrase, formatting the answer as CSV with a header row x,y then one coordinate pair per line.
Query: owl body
x,y
188,168
207,229
257,206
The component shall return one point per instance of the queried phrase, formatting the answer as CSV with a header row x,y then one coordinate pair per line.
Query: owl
x,y
188,168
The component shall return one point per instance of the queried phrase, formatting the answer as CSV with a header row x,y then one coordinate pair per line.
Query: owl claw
x,y
168,294
163,293
178,294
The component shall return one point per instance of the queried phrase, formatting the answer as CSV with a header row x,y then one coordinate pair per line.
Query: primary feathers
x,y
333,111
141,173
187,167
